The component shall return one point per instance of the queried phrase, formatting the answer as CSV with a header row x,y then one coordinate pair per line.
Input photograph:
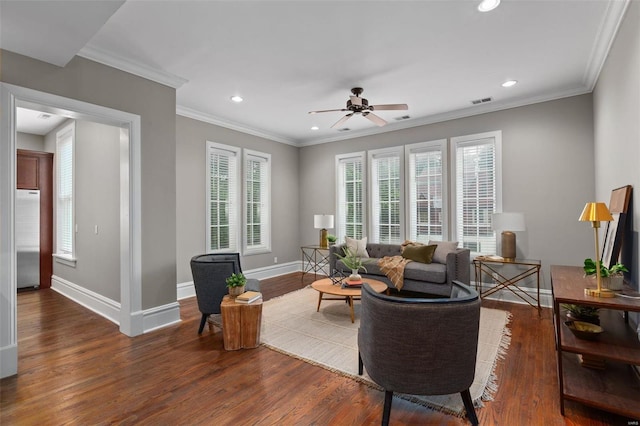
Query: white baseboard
x,y
8,361
504,295
186,289
101,305
149,320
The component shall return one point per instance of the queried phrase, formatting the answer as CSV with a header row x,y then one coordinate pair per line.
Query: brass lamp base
x,y
594,292
324,243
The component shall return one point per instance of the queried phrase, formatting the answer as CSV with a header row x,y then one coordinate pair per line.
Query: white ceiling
x,y
286,58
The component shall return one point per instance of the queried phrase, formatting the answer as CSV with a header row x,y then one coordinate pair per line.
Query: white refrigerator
x,y
27,229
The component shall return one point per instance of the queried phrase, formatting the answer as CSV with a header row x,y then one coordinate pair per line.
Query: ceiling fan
x,y
358,105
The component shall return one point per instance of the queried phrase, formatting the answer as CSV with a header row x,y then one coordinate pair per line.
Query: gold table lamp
x,y
595,213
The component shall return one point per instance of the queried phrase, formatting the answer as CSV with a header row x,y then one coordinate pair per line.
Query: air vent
x,y
404,117
481,101
344,129
44,116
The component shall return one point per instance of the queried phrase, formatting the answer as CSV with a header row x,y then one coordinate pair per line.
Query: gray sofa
x,y
432,278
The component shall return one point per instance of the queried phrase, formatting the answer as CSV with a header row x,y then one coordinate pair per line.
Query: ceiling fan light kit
x,y
358,105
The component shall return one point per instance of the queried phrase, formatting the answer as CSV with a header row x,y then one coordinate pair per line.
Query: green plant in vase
x,y
236,284
332,239
612,277
353,262
582,313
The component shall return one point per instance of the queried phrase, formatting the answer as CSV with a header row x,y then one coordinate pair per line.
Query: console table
x,y
615,388
315,259
485,265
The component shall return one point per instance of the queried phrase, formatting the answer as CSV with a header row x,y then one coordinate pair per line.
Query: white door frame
x,y
131,316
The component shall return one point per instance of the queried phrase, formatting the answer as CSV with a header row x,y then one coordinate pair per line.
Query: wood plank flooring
x,y
76,368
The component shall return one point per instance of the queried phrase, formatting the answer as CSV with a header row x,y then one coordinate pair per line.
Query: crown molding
x,y
211,119
452,115
604,40
107,58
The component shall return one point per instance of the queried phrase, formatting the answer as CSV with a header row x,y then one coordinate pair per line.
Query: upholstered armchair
x,y
420,346
210,272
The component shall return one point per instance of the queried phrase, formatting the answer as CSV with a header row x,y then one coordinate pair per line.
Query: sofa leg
x,y
360,365
468,405
386,412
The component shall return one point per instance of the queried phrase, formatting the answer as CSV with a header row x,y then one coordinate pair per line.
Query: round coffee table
x,y
326,286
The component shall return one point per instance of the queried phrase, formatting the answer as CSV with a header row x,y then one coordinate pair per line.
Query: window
x,y
257,201
426,164
386,190
222,201
65,235
477,178
350,190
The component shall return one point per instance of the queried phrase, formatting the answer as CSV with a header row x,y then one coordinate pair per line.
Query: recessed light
x,y
509,83
488,5
315,128
237,99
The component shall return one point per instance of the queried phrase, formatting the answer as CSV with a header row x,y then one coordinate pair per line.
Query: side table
x,y
240,324
485,265
315,259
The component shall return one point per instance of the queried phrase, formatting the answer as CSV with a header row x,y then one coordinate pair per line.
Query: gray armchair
x,y
210,272
420,346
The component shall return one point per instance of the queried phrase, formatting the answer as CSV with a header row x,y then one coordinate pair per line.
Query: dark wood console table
x,y
615,388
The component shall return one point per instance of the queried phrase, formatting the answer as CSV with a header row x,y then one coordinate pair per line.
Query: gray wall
x,y
547,173
29,141
191,136
88,81
97,203
616,100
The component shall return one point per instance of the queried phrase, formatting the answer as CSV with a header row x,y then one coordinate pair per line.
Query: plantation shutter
x,y
350,216
257,201
426,205
64,202
385,197
223,202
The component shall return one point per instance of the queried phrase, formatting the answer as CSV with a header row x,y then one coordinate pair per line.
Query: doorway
x,y
129,314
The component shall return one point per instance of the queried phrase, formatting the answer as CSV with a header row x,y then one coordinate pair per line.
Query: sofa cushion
x,y
430,272
419,253
357,247
443,249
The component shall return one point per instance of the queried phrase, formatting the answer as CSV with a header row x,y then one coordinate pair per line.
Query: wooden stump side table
x,y
240,324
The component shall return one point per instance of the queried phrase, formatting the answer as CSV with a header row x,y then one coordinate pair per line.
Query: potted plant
x,y
582,313
612,277
235,284
332,239
353,262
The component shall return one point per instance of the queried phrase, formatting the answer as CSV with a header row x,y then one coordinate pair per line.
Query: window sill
x,y
65,259
254,251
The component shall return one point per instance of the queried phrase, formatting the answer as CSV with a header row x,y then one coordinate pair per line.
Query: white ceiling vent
x,y
404,117
481,101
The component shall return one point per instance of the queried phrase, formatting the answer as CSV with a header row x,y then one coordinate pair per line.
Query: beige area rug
x,y
291,325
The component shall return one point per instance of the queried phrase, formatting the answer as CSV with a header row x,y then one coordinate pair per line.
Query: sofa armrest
x,y
458,266
333,259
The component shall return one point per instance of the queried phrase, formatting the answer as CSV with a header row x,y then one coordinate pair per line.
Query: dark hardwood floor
x,y
76,368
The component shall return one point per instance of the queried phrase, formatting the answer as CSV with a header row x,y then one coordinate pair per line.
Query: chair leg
x,y
386,412
468,405
202,322
360,365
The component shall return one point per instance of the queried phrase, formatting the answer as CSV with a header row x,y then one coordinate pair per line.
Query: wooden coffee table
x,y
326,286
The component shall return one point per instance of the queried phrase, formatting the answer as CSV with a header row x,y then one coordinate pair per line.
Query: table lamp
x,y
508,223
322,222
595,213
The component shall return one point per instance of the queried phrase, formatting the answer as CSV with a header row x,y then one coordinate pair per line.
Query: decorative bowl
x,y
584,330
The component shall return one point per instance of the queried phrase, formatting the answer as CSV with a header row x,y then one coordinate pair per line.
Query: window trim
x,y
434,145
235,238
340,159
470,140
266,247
67,131
396,151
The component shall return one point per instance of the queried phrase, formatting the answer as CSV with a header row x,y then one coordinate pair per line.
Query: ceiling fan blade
x,y
327,110
342,120
356,100
389,107
377,120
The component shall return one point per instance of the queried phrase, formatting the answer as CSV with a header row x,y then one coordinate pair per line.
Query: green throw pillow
x,y
422,254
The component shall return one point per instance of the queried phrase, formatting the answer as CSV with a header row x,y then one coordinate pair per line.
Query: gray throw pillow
x,y
443,249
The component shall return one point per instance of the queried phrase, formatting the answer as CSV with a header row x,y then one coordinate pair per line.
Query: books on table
x,y
249,297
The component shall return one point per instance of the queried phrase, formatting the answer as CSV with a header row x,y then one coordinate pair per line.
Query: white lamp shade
x,y
323,221
508,222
